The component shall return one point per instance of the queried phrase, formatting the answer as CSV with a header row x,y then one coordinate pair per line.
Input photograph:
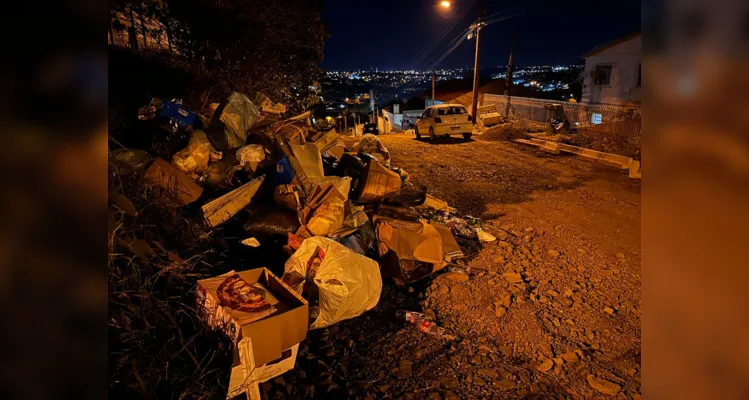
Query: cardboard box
x,y
223,208
336,150
310,160
437,204
166,175
271,335
408,250
245,377
450,248
327,140
376,181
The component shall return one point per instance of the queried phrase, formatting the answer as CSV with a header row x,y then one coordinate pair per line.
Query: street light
x,y
445,4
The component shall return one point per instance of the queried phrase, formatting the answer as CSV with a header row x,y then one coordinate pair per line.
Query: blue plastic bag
x,y
284,172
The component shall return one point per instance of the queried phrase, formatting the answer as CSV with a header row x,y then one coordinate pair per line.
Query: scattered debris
x,y
424,323
484,236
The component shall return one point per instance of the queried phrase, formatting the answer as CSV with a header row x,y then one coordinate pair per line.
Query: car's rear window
x,y
451,111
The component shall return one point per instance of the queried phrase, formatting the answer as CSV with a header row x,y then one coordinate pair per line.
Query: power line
x,y
442,34
430,44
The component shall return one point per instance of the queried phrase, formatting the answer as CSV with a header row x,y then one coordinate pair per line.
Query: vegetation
x,y
224,46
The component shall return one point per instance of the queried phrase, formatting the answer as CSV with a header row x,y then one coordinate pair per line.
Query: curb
x,y
610,159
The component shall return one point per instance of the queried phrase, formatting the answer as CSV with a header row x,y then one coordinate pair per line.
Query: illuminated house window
x,y
597,118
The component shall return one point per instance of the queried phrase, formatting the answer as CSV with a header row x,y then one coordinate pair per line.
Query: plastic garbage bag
x,y
194,158
133,157
252,153
284,172
350,165
231,121
408,196
347,283
371,144
272,222
353,242
396,212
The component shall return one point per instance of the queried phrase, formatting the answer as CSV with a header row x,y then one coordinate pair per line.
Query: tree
x,y
244,45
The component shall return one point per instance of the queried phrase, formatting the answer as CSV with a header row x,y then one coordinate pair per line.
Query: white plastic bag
x,y
348,283
250,153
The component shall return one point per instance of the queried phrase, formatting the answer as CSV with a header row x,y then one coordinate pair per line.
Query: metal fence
x,y
598,119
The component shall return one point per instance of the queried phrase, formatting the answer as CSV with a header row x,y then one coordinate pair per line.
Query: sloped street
x,y
550,310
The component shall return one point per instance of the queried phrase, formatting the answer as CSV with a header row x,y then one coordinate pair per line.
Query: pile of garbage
x,y
346,216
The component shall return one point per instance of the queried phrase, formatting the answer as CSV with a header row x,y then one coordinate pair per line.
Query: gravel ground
x,y
551,309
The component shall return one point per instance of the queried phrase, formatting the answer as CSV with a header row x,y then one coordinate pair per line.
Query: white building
x,y
613,72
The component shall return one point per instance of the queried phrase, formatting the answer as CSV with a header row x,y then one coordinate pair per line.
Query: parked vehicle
x,y
372,128
445,120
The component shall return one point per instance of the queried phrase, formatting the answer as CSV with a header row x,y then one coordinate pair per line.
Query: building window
x,y
596,118
603,75
639,74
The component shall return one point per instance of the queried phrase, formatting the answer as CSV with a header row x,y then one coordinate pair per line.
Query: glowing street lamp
x,y
445,4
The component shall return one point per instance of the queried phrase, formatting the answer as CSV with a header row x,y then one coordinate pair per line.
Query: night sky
x,y
388,34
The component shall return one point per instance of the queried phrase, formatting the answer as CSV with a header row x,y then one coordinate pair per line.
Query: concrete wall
x,y
624,58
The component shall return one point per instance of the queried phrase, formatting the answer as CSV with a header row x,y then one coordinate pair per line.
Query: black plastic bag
x,y
398,212
274,221
350,165
407,196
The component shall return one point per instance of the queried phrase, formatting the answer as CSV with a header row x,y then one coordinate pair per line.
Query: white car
x,y
444,120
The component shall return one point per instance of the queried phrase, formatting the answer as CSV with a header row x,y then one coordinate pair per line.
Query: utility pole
x,y
510,67
432,87
476,64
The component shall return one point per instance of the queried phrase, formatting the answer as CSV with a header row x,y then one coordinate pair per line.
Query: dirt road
x,y
553,310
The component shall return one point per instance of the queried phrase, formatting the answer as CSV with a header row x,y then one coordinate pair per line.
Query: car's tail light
x,y
470,118
438,120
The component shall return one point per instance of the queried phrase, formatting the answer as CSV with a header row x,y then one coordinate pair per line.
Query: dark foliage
x,y
224,46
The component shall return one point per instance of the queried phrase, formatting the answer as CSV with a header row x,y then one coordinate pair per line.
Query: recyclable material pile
x,y
346,219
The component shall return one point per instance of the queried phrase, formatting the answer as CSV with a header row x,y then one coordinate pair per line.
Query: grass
x,y
156,253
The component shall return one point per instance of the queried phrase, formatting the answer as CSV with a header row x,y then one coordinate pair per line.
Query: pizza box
x,y
271,332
